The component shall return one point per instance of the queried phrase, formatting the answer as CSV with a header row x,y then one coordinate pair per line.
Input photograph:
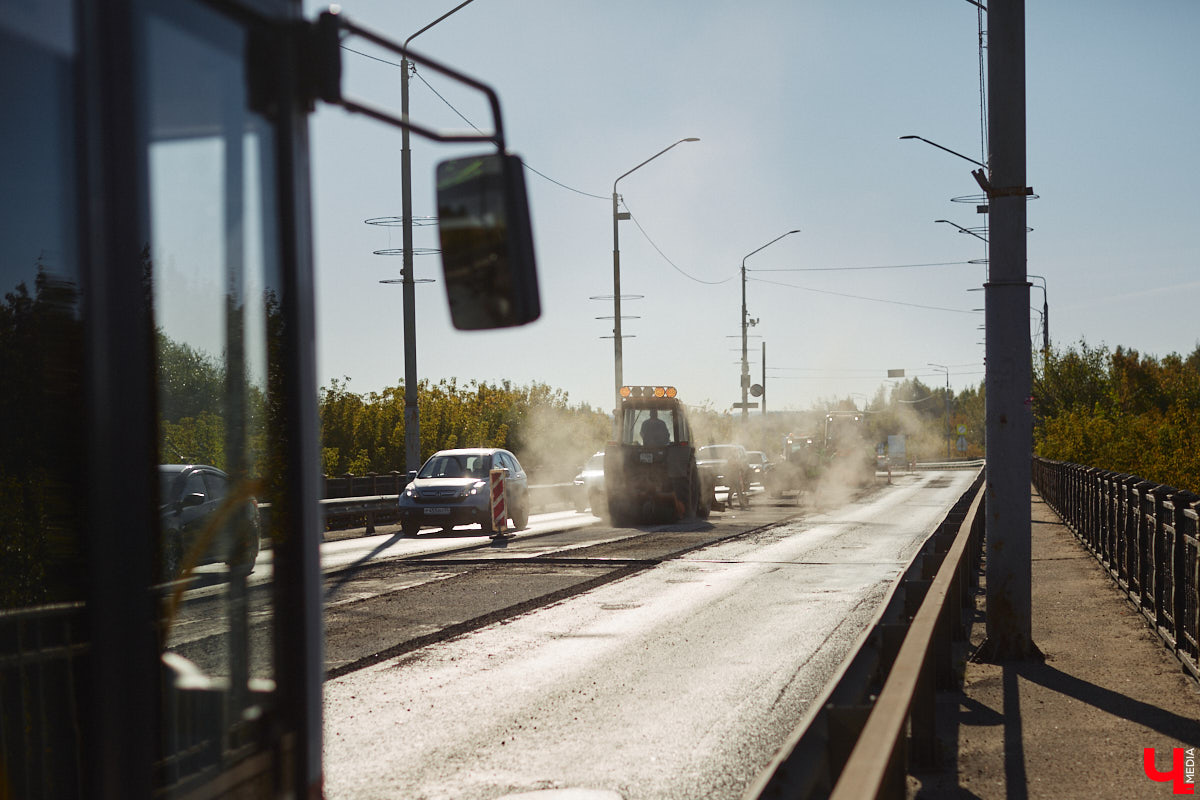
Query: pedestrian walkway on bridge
x,y
1075,725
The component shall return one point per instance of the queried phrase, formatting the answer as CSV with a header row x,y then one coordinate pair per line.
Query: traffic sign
x,y
962,430
756,390
961,444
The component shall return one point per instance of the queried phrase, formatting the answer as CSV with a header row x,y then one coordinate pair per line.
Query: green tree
x,y
1122,411
41,482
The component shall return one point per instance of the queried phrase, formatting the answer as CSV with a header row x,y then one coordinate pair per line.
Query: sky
x,y
799,106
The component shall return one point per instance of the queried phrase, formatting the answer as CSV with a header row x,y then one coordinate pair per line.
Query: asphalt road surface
x,y
662,662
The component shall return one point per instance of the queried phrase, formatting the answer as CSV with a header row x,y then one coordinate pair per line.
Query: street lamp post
x,y
745,323
947,371
1045,315
618,368
412,417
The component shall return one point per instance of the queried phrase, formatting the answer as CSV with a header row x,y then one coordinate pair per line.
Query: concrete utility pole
x,y
618,351
745,404
412,416
1045,316
947,371
1009,364
766,439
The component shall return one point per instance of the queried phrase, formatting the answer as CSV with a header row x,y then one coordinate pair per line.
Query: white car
x,y
451,489
589,486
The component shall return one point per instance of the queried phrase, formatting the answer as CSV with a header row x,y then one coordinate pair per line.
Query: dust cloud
x,y
553,442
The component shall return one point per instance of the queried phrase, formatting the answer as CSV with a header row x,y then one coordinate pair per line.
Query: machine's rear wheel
x,y
685,498
618,513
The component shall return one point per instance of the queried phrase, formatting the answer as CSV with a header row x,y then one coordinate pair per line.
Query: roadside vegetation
x,y
1115,409
364,433
1122,411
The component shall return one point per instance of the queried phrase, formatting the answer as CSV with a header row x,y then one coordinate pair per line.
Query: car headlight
x,y
474,488
412,491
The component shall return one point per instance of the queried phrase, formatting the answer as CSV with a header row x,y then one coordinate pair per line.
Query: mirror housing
x,y
487,242
192,500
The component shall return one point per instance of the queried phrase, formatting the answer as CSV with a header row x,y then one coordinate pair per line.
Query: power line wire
x,y
843,370
559,183
450,105
851,269
365,55
523,161
664,255
461,116
861,297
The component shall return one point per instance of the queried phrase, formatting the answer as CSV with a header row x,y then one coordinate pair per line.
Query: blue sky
x,y
798,106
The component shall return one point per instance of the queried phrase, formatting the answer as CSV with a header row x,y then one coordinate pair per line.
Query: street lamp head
x,y
951,152
648,160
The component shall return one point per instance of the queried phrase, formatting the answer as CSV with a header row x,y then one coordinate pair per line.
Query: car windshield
x,y
445,465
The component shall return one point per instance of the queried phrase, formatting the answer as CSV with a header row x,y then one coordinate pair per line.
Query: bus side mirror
x,y
487,242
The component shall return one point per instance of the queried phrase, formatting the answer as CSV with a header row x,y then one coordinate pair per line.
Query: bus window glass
x,y
212,267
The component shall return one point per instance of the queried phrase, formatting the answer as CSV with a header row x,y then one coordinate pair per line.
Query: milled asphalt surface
x,y
1076,724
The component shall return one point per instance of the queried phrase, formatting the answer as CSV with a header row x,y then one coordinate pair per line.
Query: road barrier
x,y
368,511
878,716
498,506
1145,534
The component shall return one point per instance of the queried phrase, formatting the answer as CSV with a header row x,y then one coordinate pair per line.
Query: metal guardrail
x,y
376,509
43,651
852,744
971,463
876,766
1145,534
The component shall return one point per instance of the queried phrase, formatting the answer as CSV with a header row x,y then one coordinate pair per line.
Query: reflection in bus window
x,y
213,273
43,576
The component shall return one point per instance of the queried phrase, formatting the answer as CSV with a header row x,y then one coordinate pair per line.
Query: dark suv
x,y
730,466
193,532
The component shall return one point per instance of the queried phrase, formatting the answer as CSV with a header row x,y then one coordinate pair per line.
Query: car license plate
x,y
436,511
647,458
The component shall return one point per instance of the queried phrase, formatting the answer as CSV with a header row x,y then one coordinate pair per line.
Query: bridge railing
x,y
878,716
1145,534
367,511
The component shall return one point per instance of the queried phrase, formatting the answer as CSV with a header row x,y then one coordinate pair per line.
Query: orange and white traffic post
x,y
499,510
